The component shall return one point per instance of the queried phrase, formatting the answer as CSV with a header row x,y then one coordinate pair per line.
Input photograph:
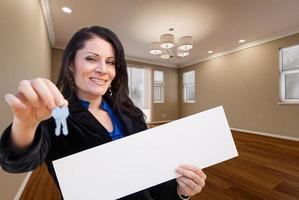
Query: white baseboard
x,y
267,134
22,187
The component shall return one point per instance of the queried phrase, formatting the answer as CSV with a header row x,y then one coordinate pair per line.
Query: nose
x,y
101,67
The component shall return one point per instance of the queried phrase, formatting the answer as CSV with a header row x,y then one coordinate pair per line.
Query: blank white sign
x,y
145,159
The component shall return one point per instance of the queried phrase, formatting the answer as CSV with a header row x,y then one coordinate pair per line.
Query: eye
x,y
110,62
90,59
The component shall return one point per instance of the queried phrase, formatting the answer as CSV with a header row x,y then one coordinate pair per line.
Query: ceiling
x,y
215,25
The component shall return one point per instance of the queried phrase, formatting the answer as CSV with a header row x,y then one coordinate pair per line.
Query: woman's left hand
x,y
192,180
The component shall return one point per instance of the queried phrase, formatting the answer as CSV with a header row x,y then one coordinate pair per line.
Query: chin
x,y
99,93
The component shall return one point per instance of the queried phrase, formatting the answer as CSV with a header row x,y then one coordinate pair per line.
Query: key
x,y
58,126
60,115
57,116
65,114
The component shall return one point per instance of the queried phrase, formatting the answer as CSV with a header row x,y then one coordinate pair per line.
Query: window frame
x,y
147,110
282,78
161,85
130,69
185,86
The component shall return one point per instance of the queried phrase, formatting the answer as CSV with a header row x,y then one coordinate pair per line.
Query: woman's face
x,y
94,68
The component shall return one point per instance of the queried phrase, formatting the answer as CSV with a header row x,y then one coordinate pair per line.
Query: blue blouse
x,y
117,131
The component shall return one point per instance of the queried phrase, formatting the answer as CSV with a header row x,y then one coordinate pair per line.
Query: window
x,y
158,87
289,74
139,88
189,86
136,85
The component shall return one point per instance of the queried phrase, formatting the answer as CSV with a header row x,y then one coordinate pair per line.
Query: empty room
x,y
149,100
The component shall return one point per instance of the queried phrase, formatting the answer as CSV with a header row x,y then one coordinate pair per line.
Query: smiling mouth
x,y
98,81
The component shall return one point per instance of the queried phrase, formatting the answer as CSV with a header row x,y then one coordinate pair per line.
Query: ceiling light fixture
x,y
167,41
182,53
241,41
185,43
210,52
66,10
167,48
155,48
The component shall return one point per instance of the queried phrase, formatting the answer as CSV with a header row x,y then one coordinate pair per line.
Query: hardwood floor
x,y
40,186
266,169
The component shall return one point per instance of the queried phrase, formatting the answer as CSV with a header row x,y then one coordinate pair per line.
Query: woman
x,y
93,83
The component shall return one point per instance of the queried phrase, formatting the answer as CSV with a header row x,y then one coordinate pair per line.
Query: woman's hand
x,y
33,103
192,180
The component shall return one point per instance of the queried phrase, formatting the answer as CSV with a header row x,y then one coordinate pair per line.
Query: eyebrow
x,y
99,55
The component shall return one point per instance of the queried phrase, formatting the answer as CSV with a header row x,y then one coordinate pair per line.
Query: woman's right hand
x,y
33,103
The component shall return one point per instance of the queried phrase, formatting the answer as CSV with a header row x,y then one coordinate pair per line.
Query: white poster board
x,y
145,159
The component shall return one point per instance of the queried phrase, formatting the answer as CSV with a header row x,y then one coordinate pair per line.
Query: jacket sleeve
x,y
167,190
14,160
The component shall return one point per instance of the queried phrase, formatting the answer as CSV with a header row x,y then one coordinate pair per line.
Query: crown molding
x,y
132,58
57,46
272,37
47,16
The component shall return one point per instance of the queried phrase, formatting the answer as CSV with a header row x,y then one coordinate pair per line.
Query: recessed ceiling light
x,y
210,51
241,41
66,10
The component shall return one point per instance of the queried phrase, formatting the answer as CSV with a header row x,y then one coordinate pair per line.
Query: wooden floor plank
x,y
266,168
241,194
286,188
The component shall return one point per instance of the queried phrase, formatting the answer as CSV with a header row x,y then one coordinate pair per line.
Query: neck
x,y
94,102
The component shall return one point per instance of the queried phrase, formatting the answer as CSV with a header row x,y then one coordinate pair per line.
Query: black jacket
x,y
85,132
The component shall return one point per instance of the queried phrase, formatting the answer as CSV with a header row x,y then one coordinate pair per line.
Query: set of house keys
x,y
60,115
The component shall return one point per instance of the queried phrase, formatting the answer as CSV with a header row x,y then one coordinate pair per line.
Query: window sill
x,y
158,101
288,103
189,102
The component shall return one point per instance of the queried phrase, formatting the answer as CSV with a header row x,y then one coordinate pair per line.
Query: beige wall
x,y
246,83
169,109
55,63
24,54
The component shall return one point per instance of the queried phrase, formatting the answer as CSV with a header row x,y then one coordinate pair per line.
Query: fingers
x,y
192,168
187,184
14,102
40,92
188,173
43,92
26,89
192,180
58,97
183,189
193,173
